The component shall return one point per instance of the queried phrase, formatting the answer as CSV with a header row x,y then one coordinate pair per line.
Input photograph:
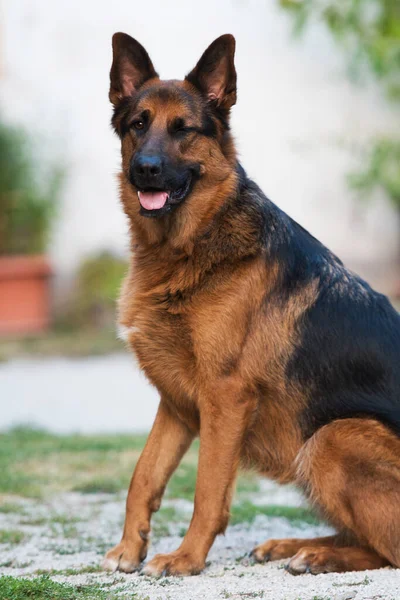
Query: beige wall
x,y
296,120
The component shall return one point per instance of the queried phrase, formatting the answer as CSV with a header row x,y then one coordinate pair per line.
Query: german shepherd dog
x,y
256,336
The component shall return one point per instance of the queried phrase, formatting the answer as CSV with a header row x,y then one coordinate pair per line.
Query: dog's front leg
x,y
168,441
224,418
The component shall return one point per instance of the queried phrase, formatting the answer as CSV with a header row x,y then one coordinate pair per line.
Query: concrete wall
x,y
296,122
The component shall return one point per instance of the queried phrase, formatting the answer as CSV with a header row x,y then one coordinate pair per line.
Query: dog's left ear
x,y
130,68
215,74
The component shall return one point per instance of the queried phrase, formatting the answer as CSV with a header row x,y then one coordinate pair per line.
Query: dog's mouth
x,y
155,202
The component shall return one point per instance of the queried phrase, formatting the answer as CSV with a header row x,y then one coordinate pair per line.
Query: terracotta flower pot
x,y
24,294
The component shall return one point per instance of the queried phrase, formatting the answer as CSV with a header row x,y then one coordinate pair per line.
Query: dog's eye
x,y
178,125
139,124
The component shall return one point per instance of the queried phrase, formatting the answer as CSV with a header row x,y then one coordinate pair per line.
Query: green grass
x,y
90,569
318,598
65,521
34,521
365,581
35,463
183,482
164,518
11,536
226,594
12,508
246,512
25,440
69,531
43,588
17,482
6,563
101,485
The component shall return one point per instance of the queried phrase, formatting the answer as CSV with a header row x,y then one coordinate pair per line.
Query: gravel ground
x,y
71,532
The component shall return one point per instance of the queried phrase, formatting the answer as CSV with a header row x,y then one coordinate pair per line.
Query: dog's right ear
x,y
215,74
131,67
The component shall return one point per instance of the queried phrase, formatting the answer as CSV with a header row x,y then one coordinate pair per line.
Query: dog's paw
x,y
175,563
274,550
314,561
125,556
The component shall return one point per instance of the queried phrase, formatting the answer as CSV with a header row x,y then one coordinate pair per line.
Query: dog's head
x,y
174,134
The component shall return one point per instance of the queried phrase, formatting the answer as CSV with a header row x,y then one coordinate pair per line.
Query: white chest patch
x,y
123,332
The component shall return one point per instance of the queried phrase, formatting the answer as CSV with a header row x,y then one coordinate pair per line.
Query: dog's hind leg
x,y
321,559
351,468
168,441
286,548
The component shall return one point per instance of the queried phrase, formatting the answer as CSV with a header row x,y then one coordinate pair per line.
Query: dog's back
x,y
346,354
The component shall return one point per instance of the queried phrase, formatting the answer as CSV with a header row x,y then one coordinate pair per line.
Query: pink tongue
x,y
152,200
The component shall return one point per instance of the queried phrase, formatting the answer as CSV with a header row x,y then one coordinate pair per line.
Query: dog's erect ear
x,y
131,67
215,74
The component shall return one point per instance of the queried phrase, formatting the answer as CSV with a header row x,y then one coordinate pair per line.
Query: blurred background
x,y
317,126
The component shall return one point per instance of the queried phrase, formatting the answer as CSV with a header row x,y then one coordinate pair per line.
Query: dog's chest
x,y
183,345
161,340
188,337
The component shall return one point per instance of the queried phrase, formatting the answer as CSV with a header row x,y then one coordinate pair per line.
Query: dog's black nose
x,y
147,167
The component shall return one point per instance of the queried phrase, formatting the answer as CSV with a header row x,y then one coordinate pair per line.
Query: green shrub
x,y
97,285
27,204
369,34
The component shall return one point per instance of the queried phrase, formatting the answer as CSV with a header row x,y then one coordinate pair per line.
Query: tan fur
x,y
201,316
352,468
